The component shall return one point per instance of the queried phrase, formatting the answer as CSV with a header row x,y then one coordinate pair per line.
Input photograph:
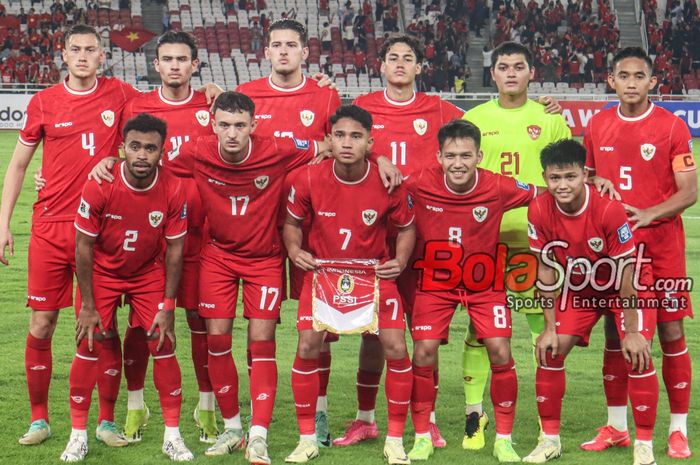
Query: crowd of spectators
x,y
569,43
30,40
674,43
444,36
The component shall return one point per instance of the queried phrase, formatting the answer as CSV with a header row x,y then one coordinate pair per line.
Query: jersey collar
x,y
80,92
286,89
582,209
396,102
236,163
168,101
476,183
136,189
635,118
369,167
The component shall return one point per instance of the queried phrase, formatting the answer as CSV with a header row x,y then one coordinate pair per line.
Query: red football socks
x,y
305,390
398,387
550,386
614,375
422,397
200,355
223,374
37,365
504,395
263,381
82,380
109,377
168,381
136,355
677,374
324,372
367,388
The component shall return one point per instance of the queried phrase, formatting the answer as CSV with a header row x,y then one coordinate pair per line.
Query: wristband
x,y
168,305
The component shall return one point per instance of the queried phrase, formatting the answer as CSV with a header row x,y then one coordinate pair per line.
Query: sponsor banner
x,y
577,113
12,110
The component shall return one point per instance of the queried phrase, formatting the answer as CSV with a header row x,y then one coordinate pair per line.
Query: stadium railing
x,y
352,94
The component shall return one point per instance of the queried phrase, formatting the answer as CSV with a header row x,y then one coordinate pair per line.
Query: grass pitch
x,y
584,406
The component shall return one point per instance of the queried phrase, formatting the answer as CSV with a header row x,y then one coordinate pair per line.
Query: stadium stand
x,y
229,37
31,34
676,51
571,45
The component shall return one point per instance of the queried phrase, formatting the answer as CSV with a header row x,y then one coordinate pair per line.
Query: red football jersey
x,y
131,224
242,199
473,218
348,220
407,131
598,230
186,119
639,155
300,112
79,128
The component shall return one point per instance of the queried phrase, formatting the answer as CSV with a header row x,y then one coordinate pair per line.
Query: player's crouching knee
x,y
670,331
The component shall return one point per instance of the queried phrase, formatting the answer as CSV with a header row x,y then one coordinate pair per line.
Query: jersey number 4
x,y
88,140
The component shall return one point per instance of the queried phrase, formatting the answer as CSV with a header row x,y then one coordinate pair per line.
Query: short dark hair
x,y
144,123
234,102
81,29
172,37
632,52
563,153
353,112
459,129
511,48
393,39
292,25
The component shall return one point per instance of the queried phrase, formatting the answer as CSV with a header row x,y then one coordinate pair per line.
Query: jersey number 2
x,y
131,237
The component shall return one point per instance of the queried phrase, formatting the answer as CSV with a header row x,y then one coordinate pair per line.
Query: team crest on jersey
x,y
595,243
108,118
534,131
307,117
369,217
155,218
202,117
346,283
648,151
420,125
480,213
261,182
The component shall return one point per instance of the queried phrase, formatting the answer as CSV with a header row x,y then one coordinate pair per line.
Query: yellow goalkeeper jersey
x,y
512,140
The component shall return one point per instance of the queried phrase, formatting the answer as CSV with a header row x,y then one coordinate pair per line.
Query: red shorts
x,y
665,245
144,293
51,266
219,275
390,310
433,311
579,321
